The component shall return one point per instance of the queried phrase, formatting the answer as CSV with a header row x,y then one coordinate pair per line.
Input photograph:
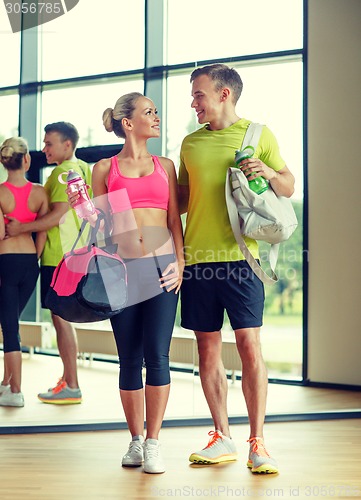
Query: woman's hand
x,y
73,197
172,277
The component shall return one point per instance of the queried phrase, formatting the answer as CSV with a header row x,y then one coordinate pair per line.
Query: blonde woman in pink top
x,y
138,192
19,256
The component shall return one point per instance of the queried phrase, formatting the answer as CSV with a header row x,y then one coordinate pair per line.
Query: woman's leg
x,y
13,364
158,322
7,374
127,328
19,273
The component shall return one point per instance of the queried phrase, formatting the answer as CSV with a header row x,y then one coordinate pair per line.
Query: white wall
x,y
334,170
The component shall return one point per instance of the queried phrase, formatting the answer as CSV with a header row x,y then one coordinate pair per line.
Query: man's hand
x,y
254,167
13,228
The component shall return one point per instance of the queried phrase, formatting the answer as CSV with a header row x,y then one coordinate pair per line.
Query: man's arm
x,y
44,223
283,182
183,198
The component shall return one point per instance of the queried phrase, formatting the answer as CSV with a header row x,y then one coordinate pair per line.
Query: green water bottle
x,y
259,184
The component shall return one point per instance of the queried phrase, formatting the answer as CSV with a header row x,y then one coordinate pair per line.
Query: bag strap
x,y
251,138
253,135
234,220
94,231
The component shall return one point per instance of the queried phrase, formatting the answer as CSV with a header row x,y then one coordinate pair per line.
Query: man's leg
x,y
220,447
67,390
254,385
213,377
68,350
254,377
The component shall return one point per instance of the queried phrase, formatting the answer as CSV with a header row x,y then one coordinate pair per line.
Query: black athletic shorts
x,y
209,289
46,276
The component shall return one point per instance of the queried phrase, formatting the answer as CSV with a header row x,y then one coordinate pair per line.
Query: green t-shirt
x,y
204,159
60,238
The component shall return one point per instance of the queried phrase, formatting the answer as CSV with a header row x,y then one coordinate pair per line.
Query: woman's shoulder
x,y
166,163
38,188
103,164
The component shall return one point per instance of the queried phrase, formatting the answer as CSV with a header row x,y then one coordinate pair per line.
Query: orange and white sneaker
x,y
259,459
62,394
220,448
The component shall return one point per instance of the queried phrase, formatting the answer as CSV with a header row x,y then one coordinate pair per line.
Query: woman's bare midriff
x,y
142,232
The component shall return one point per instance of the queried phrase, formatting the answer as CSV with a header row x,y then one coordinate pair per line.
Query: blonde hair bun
x,y
12,152
6,152
108,119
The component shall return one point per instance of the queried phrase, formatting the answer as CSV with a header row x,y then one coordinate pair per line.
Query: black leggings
x,y
144,329
18,276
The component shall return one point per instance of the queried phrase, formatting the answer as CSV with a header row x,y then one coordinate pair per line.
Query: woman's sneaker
x,y
134,456
153,461
4,388
219,449
9,398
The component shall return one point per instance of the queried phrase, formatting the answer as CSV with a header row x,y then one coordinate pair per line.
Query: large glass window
x,y
200,30
108,38
83,106
9,116
10,53
94,38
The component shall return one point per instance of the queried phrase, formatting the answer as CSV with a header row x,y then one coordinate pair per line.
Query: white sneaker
x,y
3,388
9,398
134,455
153,461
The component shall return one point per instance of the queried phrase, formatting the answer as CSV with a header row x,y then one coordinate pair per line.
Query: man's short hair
x,y
222,76
67,131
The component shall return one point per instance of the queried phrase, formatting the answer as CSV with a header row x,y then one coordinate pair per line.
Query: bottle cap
x,y
72,175
246,152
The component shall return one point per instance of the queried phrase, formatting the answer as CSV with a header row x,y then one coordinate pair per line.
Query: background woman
x,y
19,255
139,192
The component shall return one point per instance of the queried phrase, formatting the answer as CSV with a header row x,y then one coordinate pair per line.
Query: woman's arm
x,y
174,281
2,225
40,238
99,186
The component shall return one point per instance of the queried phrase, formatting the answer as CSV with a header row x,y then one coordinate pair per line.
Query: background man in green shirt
x,y
62,225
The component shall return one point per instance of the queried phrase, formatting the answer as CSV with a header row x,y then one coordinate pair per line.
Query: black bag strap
x,y
93,237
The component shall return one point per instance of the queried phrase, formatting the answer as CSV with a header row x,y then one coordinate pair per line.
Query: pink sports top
x,y
149,191
21,211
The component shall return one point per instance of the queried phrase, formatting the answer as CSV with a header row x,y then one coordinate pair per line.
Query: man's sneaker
x,y
4,388
134,456
59,382
219,449
153,461
9,398
61,395
259,459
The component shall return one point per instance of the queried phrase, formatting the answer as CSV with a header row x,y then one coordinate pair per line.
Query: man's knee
x,y
209,349
249,345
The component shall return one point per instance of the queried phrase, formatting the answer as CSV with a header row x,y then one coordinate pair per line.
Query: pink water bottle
x,y
84,206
